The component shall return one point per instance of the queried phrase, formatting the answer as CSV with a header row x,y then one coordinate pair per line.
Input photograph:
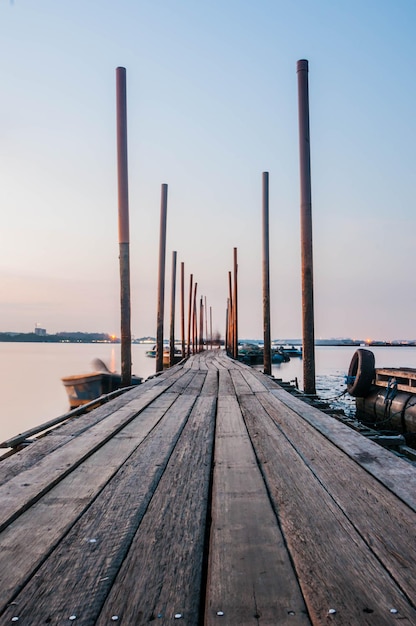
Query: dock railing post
x,y
306,231
267,350
123,226
161,279
172,312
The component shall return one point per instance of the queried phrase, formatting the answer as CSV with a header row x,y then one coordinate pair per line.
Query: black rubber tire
x,y
362,368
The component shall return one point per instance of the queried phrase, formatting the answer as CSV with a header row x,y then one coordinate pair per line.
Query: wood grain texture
x,y
78,574
250,576
396,474
166,557
385,523
30,539
28,486
109,515
335,567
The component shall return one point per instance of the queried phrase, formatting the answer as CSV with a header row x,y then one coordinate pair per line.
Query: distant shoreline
x,y
79,337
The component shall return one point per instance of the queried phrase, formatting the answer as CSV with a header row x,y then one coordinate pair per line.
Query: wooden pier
x,y
208,495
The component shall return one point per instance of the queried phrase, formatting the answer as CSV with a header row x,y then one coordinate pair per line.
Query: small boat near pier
x,y
83,388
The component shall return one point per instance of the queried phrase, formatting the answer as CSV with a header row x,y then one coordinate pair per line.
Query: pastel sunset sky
x,y
212,103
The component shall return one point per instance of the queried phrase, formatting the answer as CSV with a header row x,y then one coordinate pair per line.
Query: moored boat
x,y
83,388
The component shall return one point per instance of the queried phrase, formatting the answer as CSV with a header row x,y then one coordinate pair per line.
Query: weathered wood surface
x,y
208,495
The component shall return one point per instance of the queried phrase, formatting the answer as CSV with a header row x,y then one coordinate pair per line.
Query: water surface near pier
x,y
32,391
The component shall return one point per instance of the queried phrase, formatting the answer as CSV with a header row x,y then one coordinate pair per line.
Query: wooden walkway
x,y
208,495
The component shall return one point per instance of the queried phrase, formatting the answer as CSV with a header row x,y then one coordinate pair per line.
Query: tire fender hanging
x,y
361,373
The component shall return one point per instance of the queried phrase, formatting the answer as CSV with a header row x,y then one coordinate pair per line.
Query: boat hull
x,y
83,388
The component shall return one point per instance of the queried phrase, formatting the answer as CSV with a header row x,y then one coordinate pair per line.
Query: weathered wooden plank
x,y
335,567
396,474
240,383
210,387
22,490
250,578
226,387
257,385
77,575
385,523
182,383
28,540
161,576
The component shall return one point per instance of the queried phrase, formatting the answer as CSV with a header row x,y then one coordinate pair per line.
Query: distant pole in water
x,y
172,312
161,281
235,305
183,308
267,350
123,226
190,315
306,231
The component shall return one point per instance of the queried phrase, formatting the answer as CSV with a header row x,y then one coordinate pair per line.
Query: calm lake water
x,y
32,391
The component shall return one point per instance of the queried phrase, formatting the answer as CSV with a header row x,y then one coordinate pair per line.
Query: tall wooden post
x,y
201,324
210,327
194,322
206,321
306,231
183,308
190,315
227,327
235,305
123,226
230,316
172,312
267,350
161,280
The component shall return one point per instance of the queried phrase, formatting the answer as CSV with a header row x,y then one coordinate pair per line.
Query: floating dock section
x,y
208,495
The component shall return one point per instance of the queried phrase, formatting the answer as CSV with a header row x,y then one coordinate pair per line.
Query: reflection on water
x,y
32,391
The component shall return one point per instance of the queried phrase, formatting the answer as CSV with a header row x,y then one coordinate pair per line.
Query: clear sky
x,y
212,103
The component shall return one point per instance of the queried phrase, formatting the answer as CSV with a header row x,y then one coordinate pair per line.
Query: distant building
x,y
40,331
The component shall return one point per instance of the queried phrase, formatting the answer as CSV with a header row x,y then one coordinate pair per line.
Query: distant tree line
x,y
62,337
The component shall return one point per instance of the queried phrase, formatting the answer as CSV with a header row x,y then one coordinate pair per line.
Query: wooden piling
x,y
227,328
230,316
306,231
161,279
206,321
267,350
235,305
183,309
190,314
194,321
201,324
123,226
210,327
172,312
